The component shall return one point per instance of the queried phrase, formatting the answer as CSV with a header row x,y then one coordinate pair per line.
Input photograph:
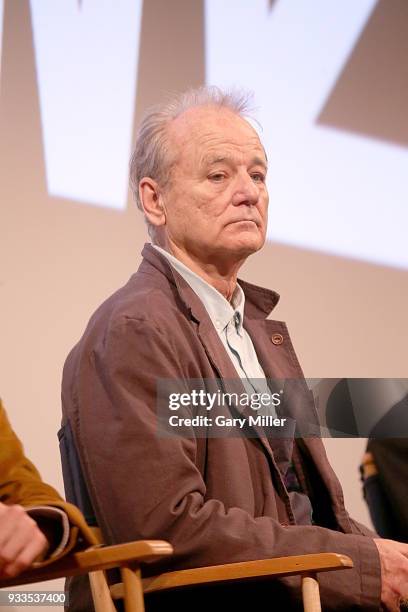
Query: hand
x,y
394,572
21,541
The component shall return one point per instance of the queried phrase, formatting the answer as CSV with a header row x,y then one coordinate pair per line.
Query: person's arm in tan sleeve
x,y
35,522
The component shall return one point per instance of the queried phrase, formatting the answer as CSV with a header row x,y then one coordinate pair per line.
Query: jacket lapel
x,y
276,366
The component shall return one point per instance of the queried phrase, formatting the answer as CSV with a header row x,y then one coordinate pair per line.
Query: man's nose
x,y
246,191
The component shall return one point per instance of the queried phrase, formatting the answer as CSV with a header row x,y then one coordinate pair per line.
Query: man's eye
x,y
217,177
258,177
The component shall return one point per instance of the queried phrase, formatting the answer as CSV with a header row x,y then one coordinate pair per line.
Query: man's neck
x,y
222,278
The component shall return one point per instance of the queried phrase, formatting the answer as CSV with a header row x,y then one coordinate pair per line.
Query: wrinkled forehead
x,y
205,128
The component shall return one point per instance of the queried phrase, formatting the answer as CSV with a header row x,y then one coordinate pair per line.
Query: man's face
x,y
216,200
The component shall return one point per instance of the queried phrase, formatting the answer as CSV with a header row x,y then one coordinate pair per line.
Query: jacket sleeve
x,y
146,486
21,483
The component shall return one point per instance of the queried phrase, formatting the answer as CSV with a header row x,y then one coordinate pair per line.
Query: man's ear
x,y
152,201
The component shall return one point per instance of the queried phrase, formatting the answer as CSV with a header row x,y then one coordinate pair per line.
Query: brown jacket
x,y
20,483
216,500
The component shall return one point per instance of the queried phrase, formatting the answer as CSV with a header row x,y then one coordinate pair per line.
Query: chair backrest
x,y
76,491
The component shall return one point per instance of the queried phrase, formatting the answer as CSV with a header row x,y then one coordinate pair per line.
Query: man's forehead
x,y
213,129
256,155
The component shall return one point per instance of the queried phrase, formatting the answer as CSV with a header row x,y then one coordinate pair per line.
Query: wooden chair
x,y
129,558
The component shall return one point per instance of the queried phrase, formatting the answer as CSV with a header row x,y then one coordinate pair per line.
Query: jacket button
x,y
277,339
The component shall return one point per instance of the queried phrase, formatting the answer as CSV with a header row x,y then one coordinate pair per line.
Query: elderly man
x,y
199,173
35,523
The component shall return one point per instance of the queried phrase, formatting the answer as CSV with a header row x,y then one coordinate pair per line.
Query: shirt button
x,y
277,339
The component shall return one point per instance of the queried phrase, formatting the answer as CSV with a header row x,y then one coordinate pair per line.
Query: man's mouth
x,y
245,221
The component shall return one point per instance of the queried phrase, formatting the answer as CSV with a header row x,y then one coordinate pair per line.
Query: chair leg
x,y
100,592
310,593
133,588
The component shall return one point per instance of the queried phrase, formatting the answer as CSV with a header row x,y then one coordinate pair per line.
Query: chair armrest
x,y
244,571
93,559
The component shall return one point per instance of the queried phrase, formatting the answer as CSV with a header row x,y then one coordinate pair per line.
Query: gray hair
x,y
151,156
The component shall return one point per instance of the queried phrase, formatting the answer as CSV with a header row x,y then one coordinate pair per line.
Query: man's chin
x,y
244,246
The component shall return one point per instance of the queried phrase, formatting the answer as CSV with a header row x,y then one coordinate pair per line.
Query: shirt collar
x,y
221,311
